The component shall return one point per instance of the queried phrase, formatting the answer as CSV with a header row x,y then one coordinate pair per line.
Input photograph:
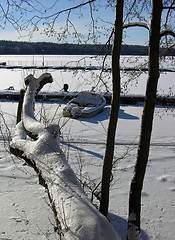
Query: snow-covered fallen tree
x,y
39,146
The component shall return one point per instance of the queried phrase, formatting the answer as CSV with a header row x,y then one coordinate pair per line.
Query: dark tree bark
x,y
20,104
146,126
115,104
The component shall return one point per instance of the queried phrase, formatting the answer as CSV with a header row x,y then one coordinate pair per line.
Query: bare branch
x,y
108,43
93,22
62,11
130,10
169,7
168,49
168,12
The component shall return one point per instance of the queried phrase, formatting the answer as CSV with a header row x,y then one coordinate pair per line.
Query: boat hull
x,y
75,107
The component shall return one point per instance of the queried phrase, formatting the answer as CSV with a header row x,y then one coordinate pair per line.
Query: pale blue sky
x,y
134,35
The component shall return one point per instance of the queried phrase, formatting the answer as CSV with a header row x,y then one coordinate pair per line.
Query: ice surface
x,y
82,80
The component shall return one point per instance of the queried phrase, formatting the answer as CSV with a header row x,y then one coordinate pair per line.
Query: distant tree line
x,y
15,47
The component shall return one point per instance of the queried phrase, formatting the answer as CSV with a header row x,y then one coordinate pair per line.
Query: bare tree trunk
x,y
146,126
115,104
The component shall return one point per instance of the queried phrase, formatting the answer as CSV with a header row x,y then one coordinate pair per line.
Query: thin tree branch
x,y
62,11
93,22
130,10
167,50
169,7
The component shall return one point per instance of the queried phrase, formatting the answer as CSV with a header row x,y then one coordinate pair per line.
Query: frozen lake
x,y
83,80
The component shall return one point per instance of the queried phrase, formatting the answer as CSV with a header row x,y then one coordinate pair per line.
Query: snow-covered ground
x,y
25,211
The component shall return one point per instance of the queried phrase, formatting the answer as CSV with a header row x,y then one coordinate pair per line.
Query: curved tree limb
x,y
76,217
167,32
31,125
136,24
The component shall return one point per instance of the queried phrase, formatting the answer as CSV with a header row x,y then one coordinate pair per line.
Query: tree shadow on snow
x,y
104,115
100,156
120,225
123,115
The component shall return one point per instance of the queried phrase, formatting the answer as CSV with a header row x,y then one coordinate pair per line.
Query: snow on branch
x,y
167,32
136,24
147,26
31,125
75,216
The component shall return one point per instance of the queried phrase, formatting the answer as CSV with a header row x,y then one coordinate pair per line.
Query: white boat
x,y
84,105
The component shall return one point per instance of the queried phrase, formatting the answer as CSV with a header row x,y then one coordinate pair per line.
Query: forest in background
x,y
22,48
